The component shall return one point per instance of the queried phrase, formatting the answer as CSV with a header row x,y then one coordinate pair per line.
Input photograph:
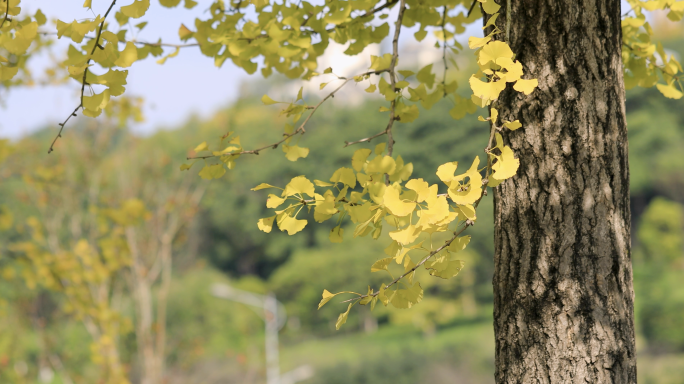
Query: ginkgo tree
x,y
552,77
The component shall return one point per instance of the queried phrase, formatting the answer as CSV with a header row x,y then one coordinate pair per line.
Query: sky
x,y
186,85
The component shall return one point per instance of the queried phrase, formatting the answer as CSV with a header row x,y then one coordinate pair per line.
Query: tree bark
x,y
563,296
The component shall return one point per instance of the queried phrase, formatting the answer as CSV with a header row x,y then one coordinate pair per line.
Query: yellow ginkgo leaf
x,y
489,6
512,125
381,265
405,236
335,235
299,184
406,298
421,187
477,42
212,171
325,207
128,56
487,90
506,165
266,224
467,193
382,164
137,9
669,91
445,172
343,316
345,176
289,223
274,201
494,51
258,187
459,244
525,86
395,204
295,152
451,269
327,296
359,158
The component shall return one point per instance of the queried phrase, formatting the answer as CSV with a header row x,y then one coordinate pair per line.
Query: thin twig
x,y
423,261
85,73
134,42
300,130
6,14
472,6
393,77
367,139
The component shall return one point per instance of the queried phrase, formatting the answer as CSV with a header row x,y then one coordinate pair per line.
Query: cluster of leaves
x,y
83,273
643,67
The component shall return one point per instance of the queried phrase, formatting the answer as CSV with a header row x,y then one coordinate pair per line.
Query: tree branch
x,y
301,130
423,261
85,73
6,14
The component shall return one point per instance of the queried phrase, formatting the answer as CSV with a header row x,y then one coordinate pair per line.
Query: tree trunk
x,y
563,296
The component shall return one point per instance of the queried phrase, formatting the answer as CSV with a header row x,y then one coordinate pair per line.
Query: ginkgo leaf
x,y
344,175
669,91
128,56
395,204
506,165
490,90
445,172
382,164
459,244
467,211
202,147
477,42
274,201
493,51
359,158
319,183
489,6
512,125
406,298
299,184
268,101
336,234
525,86
261,186
343,316
452,268
295,152
266,224
212,171
469,192
379,63
325,207
405,236
93,105
327,296
381,265
421,187
137,9
290,224
184,33
359,213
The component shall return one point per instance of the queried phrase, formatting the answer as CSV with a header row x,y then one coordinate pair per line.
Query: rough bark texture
x,y
563,296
